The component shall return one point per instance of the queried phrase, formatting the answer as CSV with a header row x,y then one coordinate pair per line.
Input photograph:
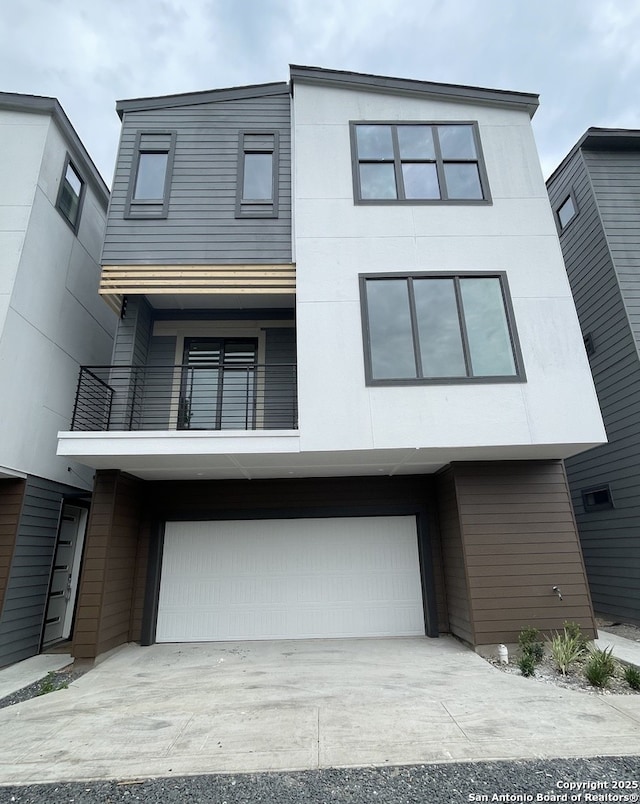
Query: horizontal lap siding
x,y
201,227
602,254
113,562
519,541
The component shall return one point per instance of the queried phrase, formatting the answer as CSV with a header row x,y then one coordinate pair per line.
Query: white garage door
x,y
290,579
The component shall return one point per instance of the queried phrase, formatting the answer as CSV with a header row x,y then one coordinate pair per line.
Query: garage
x,y
290,579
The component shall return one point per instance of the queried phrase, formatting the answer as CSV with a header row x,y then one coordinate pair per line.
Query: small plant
x,y
565,649
575,630
50,684
600,668
527,665
531,645
632,677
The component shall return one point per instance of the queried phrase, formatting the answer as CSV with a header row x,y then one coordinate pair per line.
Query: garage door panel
x,y
304,578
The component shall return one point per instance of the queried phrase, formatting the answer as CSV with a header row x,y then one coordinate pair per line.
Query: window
x,y
414,163
567,212
70,194
257,191
430,328
150,181
597,499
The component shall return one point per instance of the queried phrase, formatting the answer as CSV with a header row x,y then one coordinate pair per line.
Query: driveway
x,y
230,707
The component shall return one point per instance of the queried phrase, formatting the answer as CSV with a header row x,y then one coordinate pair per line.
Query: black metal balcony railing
x,y
202,397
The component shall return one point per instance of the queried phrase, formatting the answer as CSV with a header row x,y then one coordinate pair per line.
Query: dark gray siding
x,y
201,226
598,248
130,349
25,599
281,395
160,382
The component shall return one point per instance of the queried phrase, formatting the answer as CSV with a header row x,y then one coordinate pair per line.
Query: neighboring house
x,y
346,374
595,195
53,206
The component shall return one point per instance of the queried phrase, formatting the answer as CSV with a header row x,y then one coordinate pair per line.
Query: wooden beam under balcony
x,y
209,279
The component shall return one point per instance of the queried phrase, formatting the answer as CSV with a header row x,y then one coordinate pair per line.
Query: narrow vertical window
x,y
257,190
70,195
566,212
151,174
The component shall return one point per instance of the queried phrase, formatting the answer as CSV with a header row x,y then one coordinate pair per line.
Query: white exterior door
x,y
290,579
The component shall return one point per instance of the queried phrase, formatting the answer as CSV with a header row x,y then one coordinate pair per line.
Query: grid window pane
x,y
463,180
456,142
390,333
374,142
491,352
152,171
378,181
439,328
416,142
420,180
258,177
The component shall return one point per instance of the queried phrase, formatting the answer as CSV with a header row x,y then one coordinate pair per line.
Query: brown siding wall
x,y
111,564
519,540
11,497
453,559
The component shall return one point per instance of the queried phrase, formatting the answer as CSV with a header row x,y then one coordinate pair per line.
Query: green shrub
x,y
531,645
632,677
565,649
601,667
575,630
527,665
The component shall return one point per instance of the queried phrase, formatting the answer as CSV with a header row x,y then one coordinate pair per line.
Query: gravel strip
x,y
58,680
612,778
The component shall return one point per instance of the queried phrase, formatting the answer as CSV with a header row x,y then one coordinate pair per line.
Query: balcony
x,y
205,397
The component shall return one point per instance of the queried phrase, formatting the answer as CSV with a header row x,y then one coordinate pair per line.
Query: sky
x,y
581,56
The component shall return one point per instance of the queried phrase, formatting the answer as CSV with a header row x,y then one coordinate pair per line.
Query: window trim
x,y
74,225
570,196
246,208
150,207
439,161
605,506
370,380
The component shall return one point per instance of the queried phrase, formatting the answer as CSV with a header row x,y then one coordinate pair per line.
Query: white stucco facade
x,y
554,413
51,317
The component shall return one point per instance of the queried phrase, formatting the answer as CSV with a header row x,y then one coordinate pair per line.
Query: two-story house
x,y
347,370
595,195
53,206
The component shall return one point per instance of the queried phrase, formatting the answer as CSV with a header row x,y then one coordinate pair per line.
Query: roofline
x,y
206,96
39,104
521,101
595,137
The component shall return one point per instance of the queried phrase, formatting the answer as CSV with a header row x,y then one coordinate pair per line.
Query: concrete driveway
x,y
229,707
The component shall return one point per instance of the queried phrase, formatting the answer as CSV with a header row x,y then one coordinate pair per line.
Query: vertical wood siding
x,y
201,226
601,248
520,540
11,497
108,583
27,587
453,559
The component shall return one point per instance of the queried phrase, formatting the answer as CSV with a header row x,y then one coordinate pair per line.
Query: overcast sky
x,y
581,56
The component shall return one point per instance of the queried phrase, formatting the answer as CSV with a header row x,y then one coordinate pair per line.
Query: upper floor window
x,y
257,189
567,211
150,179
597,499
438,328
418,163
70,194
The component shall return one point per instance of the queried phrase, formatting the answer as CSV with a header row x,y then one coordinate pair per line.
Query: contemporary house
x,y
595,195
347,370
53,206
